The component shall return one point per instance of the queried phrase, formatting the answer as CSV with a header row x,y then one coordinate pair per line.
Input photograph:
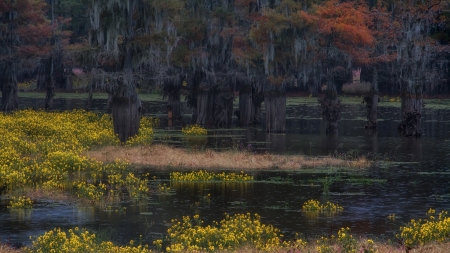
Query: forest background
x,y
212,50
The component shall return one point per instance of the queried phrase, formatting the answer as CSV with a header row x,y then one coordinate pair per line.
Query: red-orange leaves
x,y
344,26
27,32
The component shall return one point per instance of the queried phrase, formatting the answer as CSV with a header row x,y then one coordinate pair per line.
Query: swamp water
x,y
411,177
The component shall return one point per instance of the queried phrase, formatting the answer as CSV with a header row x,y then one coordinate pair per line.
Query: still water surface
x,y
414,178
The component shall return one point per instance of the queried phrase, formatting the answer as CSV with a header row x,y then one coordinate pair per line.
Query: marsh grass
x,y
165,157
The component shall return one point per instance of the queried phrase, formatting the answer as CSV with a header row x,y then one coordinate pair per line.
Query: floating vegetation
x,y
365,181
79,240
194,130
347,193
115,209
238,204
316,206
391,217
421,232
203,175
20,203
283,205
228,234
279,180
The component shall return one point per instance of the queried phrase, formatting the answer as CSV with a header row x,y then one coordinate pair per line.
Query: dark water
x,y
414,178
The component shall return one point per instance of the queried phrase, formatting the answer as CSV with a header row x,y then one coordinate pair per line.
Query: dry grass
x,y
6,249
311,248
380,248
162,157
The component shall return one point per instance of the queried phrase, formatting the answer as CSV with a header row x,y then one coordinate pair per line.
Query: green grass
x,y
290,101
84,95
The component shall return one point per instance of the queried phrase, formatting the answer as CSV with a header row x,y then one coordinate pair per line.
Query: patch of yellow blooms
x,y
44,150
203,175
315,206
79,240
228,234
420,232
194,130
20,203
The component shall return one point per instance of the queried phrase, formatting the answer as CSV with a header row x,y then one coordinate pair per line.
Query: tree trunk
x,y
313,88
223,109
126,117
205,108
50,88
275,104
10,96
246,108
249,106
126,105
174,104
89,99
258,98
411,110
331,108
371,101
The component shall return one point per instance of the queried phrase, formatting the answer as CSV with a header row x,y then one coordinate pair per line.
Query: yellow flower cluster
x,y
420,232
78,240
203,175
194,130
228,234
20,202
316,206
43,150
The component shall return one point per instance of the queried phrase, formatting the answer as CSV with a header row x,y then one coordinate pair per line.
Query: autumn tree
x,y
275,34
205,48
24,37
343,38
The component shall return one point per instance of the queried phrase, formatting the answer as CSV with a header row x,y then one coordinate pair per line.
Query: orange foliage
x,y
344,26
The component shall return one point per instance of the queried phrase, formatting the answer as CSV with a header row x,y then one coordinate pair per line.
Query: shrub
x,y
78,240
230,233
421,232
194,130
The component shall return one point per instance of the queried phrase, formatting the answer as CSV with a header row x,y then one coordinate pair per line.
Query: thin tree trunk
x,y
371,101
246,108
275,103
89,99
174,104
50,88
331,108
257,99
411,110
